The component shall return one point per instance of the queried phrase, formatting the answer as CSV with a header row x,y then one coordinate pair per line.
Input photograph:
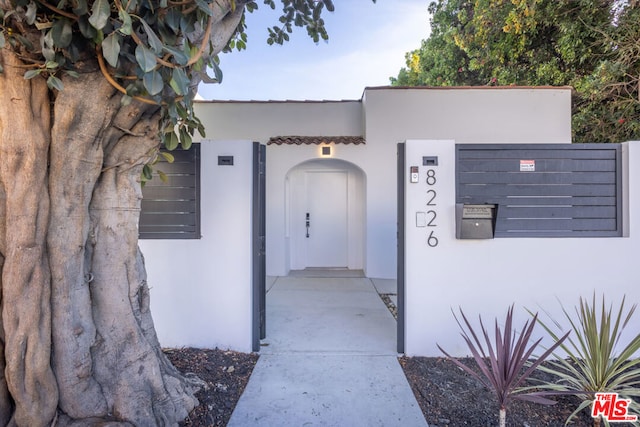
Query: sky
x,y
367,45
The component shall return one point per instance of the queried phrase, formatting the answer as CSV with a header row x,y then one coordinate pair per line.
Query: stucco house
x,y
330,199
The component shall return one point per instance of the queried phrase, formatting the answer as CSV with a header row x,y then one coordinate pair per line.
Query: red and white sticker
x,y
527,165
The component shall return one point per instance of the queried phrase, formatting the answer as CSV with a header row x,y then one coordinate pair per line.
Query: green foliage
x,y
594,363
154,51
507,362
301,13
148,46
148,169
590,45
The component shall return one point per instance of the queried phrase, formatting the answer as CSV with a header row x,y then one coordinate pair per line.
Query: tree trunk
x,y
77,340
31,392
503,417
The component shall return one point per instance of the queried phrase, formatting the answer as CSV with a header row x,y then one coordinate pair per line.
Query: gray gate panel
x,y
258,254
537,178
514,212
502,191
559,201
542,165
541,151
400,254
559,224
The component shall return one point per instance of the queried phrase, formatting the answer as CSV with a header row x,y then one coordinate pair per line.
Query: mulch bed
x,y
225,374
448,396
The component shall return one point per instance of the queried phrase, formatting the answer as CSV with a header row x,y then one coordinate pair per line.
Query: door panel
x,y
326,240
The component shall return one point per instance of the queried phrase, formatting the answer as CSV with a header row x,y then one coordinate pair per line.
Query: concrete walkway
x,y
329,360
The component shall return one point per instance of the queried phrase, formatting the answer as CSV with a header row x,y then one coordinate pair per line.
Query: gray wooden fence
x,y
544,190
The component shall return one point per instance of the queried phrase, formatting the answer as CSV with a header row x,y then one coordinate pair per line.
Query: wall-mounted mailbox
x,y
475,221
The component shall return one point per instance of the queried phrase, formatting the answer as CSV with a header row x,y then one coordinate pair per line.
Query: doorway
x,y
325,215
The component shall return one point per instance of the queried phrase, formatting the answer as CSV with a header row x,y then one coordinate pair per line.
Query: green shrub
x,y
592,363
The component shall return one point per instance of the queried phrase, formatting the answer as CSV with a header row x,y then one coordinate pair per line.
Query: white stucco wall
x,y
201,291
486,276
384,116
207,301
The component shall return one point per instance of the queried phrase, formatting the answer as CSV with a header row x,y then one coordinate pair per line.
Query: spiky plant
x,y
506,363
593,362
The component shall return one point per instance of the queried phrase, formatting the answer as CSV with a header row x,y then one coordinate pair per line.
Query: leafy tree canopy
x,y
590,45
155,51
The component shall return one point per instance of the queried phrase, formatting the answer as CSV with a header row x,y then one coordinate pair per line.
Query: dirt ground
x,y
225,373
448,396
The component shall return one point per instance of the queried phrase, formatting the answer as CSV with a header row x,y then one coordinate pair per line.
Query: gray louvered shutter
x,y
172,210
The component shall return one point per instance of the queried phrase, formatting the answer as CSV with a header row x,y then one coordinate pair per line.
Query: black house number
x,y
432,214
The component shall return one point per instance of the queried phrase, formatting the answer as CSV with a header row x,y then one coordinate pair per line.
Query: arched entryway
x,y
325,215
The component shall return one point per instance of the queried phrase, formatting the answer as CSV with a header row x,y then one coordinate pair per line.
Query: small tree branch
x,y
58,11
115,84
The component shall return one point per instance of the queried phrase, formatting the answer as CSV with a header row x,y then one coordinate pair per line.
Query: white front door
x,y
326,237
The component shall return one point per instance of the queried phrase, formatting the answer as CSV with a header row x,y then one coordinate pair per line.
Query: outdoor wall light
x,y
325,151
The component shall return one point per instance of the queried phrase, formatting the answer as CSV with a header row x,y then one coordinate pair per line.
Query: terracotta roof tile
x,y
317,140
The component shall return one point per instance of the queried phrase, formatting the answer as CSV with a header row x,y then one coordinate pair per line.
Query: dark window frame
x,y
185,190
